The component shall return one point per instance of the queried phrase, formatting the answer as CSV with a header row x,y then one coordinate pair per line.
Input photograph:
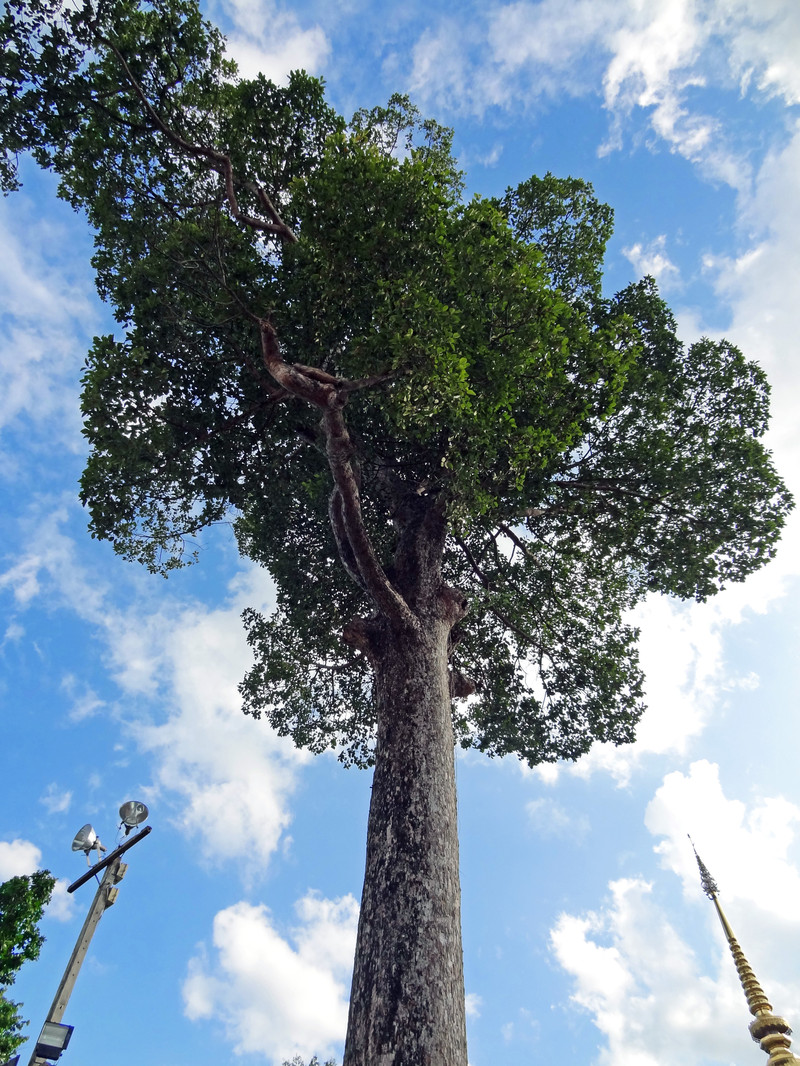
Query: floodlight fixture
x,y
132,813
53,1039
86,840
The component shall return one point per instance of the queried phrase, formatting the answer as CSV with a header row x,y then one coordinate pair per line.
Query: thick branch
x,y
343,385
346,554
339,449
289,377
217,160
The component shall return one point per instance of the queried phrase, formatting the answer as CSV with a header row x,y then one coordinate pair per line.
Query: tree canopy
x,y
22,902
581,454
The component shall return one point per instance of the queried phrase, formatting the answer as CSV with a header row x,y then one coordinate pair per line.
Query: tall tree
x,y
460,462
22,902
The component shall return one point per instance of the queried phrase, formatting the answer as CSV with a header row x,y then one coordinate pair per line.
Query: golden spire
x,y
766,1028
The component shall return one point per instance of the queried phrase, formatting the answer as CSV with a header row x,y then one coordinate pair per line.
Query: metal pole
x,y
105,895
103,898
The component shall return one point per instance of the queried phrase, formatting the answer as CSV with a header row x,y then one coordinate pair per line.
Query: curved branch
x,y
345,548
217,160
344,385
512,536
339,449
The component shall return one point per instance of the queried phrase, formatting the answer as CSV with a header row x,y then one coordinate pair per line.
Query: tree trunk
x,y
407,999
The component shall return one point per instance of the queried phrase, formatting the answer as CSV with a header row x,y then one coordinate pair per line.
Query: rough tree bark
x,y
407,998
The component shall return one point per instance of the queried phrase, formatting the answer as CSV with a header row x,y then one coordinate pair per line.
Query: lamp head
x,y
132,813
53,1039
87,840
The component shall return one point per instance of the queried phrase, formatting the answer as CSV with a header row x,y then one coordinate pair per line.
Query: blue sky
x,y
586,935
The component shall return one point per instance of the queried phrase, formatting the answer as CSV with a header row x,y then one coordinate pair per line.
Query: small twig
x,y
512,536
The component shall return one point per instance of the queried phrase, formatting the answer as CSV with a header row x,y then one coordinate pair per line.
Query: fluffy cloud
x,y
268,39
232,777
56,800
764,45
645,988
18,858
640,59
747,849
228,778
46,327
473,1004
641,984
278,996
652,259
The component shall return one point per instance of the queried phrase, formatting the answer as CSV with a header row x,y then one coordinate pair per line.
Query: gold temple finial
x,y
767,1029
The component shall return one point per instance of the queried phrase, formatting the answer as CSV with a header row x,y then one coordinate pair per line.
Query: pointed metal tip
x,y
706,880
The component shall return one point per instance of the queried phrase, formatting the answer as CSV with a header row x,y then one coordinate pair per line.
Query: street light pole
x,y
105,896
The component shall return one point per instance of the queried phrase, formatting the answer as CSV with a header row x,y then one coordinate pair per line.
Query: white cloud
x,y
278,996
652,259
658,54
523,52
549,34
487,159
51,566
14,632
764,45
269,40
440,66
547,772
228,778
22,579
18,858
56,800
549,818
747,850
85,701
643,985
61,906
647,62
49,313
473,1003
232,776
